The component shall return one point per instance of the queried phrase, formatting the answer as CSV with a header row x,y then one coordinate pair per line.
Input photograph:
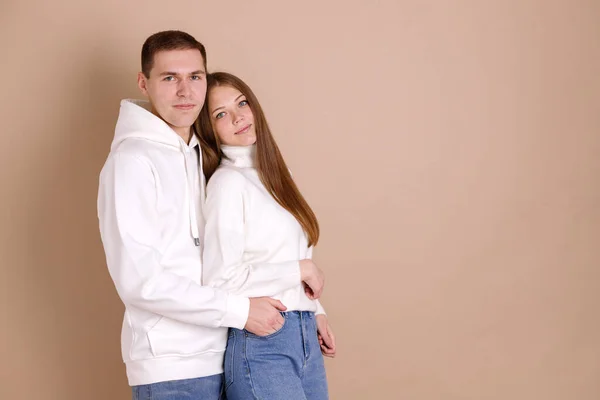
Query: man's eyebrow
x,y
218,108
198,72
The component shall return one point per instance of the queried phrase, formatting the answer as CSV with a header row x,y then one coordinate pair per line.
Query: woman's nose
x,y
237,118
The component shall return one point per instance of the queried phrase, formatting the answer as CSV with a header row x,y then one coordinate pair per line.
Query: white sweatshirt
x,y
151,226
252,245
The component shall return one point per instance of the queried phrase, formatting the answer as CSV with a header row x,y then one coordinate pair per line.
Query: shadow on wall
x,y
72,282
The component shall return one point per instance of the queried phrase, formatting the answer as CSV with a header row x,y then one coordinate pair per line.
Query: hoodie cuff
x,y
238,308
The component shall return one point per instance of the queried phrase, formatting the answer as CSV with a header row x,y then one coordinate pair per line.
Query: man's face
x,y
176,88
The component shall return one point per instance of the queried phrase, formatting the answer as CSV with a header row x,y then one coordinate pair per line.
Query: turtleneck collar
x,y
239,156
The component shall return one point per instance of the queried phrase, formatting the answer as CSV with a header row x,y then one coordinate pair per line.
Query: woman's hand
x,y
325,335
313,279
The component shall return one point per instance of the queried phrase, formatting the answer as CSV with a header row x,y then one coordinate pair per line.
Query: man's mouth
x,y
185,107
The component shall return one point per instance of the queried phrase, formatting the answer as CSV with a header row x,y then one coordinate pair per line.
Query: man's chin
x,y
184,122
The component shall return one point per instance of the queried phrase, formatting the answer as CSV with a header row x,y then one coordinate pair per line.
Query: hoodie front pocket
x,y
173,338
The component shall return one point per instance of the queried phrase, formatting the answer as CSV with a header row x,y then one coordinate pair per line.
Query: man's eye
x,y
220,115
169,78
196,77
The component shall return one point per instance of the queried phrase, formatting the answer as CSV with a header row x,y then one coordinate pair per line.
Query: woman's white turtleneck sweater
x,y
252,245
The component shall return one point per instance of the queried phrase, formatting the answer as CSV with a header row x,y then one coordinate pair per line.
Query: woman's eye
x,y
243,103
220,115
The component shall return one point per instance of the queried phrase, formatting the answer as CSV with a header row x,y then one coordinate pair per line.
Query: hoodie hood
x,y
137,121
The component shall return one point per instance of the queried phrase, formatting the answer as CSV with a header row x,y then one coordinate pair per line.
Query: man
x,y
149,208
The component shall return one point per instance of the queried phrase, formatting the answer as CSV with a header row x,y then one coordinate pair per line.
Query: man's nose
x,y
183,89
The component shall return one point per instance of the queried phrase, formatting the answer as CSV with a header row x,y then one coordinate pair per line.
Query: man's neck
x,y
184,133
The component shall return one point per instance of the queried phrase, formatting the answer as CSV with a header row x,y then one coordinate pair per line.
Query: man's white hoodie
x,y
149,209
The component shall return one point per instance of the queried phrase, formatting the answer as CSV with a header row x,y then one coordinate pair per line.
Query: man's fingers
x,y
278,322
278,305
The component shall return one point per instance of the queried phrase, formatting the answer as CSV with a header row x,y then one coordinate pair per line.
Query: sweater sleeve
x,y
320,309
224,241
129,230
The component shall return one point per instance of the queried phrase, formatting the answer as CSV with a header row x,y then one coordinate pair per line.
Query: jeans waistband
x,y
302,314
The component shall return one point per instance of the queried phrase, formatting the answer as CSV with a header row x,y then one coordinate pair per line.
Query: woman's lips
x,y
244,129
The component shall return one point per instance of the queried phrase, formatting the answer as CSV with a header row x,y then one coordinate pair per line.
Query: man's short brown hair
x,y
168,40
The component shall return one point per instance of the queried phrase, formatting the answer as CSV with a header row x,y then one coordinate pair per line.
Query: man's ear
x,y
143,83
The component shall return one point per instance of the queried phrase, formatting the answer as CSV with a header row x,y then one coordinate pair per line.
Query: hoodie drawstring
x,y
190,193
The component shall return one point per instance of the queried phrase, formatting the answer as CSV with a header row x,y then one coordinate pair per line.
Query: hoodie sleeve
x,y
223,264
128,226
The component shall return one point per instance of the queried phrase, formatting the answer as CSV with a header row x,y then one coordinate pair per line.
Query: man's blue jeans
x,y
207,388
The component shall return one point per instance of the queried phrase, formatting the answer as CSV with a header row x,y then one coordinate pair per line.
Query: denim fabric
x,y
286,365
206,388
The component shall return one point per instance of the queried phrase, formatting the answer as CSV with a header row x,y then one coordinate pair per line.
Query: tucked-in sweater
x,y
252,245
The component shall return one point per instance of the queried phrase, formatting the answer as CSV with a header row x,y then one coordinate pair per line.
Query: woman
x,y
258,242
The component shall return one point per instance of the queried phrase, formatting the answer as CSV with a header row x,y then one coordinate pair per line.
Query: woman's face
x,y
231,117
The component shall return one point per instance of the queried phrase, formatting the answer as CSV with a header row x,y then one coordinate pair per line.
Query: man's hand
x,y
325,335
312,278
264,317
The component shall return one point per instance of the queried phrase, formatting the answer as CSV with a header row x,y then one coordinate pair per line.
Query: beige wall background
x,y
450,148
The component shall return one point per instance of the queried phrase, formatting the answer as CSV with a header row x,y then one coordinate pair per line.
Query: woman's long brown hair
x,y
269,162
